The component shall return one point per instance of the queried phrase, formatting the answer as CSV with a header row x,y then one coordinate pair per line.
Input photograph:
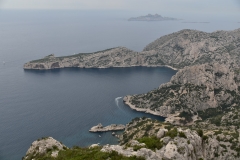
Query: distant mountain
x,y
151,17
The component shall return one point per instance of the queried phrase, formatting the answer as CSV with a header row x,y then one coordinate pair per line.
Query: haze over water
x,y
65,103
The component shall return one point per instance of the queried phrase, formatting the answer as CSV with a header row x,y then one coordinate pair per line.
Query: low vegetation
x,y
77,153
151,142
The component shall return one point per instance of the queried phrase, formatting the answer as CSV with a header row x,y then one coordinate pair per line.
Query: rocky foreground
x,y
46,146
149,139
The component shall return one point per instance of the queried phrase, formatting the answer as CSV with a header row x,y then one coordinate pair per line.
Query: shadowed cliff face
x,y
180,49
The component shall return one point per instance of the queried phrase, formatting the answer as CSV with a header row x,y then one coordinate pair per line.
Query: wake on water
x,y
117,103
116,100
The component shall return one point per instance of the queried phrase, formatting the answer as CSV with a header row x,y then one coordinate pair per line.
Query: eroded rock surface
x,y
192,89
44,146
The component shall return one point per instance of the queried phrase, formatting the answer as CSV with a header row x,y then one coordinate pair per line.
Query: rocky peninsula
x,y
177,50
112,127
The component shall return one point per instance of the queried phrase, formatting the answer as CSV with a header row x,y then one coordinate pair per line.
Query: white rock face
x,y
161,132
94,145
136,143
43,146
170,150
210,75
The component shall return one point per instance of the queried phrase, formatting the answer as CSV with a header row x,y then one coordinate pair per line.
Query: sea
x,y
66,103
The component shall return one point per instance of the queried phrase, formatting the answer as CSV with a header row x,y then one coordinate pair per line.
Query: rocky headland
x,y
192,92
200,103
177,50
112,127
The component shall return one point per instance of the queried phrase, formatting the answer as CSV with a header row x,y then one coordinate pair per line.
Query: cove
x,y
66,103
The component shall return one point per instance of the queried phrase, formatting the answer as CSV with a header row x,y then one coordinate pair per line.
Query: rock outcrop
x,y
44,146
148,139
176,142
112,127
177,50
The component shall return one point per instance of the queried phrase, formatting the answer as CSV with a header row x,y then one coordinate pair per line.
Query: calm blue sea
x,y
66,103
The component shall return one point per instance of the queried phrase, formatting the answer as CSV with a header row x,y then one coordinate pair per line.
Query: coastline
x,y
170,118
42,69
126,101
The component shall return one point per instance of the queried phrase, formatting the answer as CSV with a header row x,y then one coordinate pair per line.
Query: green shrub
x,y
204,138
149,127
49,149
169,126
200,132
181,134
135,148
77,153
216,120
217,132
55,147
151,142
172,133
186,115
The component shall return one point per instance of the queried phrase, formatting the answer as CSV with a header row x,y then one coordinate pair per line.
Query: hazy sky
x,y
207,6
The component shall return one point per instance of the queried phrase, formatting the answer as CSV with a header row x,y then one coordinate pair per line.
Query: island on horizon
x,y
151,17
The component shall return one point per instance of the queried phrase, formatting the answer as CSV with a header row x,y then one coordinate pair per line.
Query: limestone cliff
x,y
193,89
180,49
191,47
154,140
